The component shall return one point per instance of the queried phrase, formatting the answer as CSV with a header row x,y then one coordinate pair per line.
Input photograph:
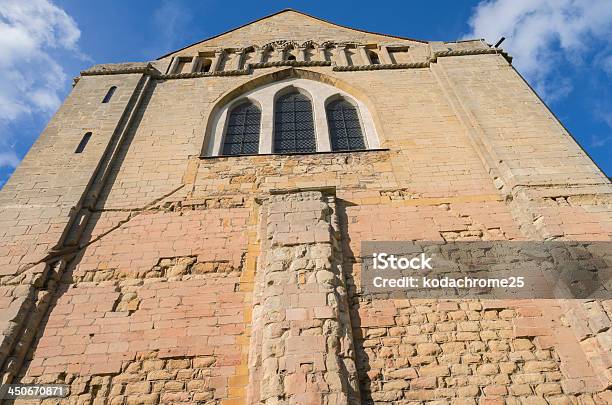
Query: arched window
x,y
293,124
374,59
81,147
109,94
291,57
344,126
242,135
296,115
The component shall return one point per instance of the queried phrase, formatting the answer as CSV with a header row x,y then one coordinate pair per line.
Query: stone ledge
x,y
414,65
203,74
292,63
298,153
119,68
325,190
427,63
147,68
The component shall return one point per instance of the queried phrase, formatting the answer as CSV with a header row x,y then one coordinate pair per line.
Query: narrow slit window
x,y
243,127
81,147
294,124
109,94
344,126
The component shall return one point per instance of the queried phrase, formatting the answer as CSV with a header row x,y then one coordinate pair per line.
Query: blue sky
x,y
562,47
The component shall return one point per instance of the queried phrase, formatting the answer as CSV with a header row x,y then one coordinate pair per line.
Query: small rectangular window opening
x,y
183,65
206,65
83,143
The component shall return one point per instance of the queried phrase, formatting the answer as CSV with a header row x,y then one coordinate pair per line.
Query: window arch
x,y
243,127
277,132
293,124
109,94
344,126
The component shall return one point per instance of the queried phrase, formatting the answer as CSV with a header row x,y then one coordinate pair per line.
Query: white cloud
x,y
172,20
606,64
542,34
597,141
9,159
31,79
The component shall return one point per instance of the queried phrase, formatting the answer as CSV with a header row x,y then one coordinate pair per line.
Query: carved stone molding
x,y
147,68
293,63
382,67
202,74
467,52
119,68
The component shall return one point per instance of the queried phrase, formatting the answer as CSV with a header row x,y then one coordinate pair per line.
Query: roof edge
x,y
283,11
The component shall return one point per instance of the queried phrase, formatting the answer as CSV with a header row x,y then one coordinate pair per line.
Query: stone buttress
x,y
301,344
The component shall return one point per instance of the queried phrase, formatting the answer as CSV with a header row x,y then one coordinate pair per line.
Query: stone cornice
x,y
119,68
246,70
424,64
290,63
414,65
202,74
467,52
147,68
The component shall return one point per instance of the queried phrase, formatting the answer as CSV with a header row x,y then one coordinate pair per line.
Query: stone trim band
x,y
114,69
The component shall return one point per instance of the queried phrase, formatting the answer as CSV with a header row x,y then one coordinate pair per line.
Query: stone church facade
x,y
189,229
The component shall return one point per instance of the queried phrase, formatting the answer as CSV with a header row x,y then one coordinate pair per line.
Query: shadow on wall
x,y
362,360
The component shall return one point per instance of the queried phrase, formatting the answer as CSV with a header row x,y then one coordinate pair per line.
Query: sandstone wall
x,y
229,280
283,26
42,201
